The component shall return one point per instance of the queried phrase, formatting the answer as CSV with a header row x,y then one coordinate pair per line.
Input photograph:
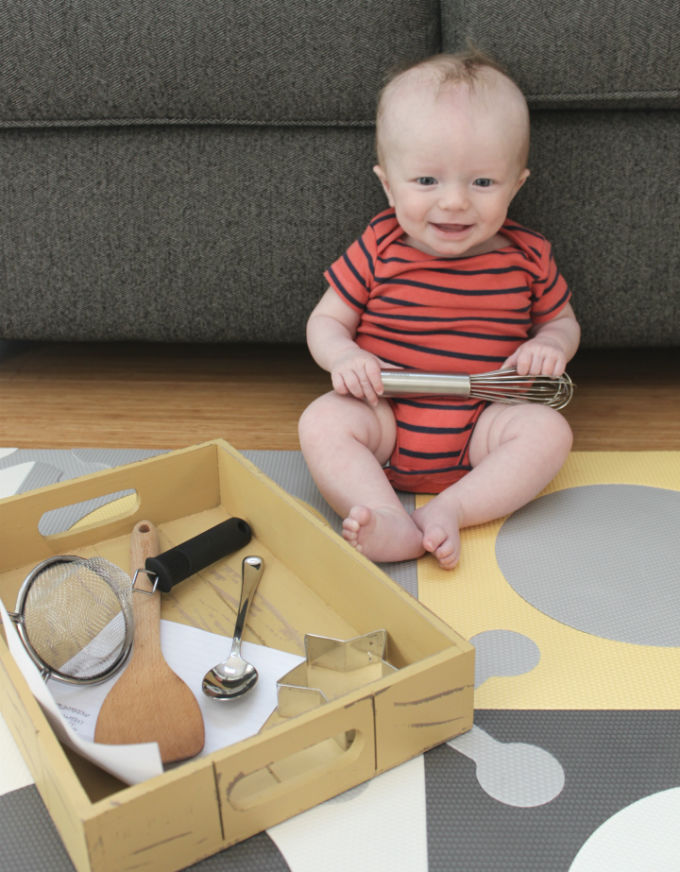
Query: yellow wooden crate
x,y
314,583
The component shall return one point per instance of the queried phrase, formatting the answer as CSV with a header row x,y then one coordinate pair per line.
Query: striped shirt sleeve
x,y
353,274
550,292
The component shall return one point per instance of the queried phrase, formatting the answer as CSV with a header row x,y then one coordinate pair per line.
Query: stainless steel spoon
x,y
236,676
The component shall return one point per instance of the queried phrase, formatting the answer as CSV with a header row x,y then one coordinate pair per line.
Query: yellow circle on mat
x,y
576,670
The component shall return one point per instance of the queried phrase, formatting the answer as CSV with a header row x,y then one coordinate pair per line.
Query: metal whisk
x,y
499,386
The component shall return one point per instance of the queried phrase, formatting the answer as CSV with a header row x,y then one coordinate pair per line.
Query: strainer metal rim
x,y
47,671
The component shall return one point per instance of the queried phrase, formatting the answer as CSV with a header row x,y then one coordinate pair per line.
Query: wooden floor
x,y
170,396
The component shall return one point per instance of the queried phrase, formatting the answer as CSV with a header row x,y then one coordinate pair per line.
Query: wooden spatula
x,y
150,702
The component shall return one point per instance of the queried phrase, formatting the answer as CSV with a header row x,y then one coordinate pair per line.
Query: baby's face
x,y
451,162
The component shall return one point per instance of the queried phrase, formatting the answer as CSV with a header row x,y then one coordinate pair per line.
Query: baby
x,y
441,281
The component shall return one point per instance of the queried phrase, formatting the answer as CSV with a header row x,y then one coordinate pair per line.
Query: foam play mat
x,y
573,601
572,765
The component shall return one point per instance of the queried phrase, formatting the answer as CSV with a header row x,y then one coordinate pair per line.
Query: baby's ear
x,y
523,176
382,175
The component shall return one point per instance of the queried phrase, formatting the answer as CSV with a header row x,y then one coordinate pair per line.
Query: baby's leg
x,y
515,452
345,443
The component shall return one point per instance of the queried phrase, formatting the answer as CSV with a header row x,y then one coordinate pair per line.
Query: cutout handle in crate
x,y
297,765
181,482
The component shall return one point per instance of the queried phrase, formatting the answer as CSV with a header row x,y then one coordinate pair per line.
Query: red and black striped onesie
x,y
464,314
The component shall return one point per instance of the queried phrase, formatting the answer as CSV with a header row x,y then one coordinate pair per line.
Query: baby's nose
x,y
453,197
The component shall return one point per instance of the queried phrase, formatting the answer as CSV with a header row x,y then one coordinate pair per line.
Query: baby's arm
x,y
550,348
331,329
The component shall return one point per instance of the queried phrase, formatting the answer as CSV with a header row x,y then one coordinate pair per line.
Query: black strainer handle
x,y
183,560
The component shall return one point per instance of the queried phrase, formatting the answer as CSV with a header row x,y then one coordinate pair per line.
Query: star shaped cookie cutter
x,y
331,668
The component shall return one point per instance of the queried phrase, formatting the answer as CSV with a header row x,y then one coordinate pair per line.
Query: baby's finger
x,y
353,384
510,362
376,381
557,367
523,362
549,363
338,383
368,388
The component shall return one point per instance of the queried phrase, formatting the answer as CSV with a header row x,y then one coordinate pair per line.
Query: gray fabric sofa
x,y
184,171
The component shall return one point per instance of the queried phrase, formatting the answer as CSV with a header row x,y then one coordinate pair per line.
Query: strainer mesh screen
x,y
77,614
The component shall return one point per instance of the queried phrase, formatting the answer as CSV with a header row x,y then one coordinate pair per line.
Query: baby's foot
x,y
440,533
382,534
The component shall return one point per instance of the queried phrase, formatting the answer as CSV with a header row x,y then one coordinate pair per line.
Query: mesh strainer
x,y
74,617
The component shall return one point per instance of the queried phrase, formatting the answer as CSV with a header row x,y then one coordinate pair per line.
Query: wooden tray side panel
x,y
430,706
165,824
59,788
287,790
167,486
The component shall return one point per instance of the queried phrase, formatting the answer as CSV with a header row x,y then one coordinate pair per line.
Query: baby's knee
x,y
311,422
565,433
552,428
322,416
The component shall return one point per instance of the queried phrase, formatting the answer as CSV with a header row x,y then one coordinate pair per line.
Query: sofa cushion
x,y
137,61
176,233
603,189
608,54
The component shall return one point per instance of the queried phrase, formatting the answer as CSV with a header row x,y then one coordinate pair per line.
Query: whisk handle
x,y
402,382
183,560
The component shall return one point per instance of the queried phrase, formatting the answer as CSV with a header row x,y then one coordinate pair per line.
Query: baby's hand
x,y
538,357
357,373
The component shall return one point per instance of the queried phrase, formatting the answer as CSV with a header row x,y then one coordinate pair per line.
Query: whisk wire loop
x,y
499,386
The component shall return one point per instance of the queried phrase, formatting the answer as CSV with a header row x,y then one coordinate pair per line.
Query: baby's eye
x,y
483,183
426,181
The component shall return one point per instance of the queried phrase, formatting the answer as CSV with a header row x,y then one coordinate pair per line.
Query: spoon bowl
x,y
229,679
235,676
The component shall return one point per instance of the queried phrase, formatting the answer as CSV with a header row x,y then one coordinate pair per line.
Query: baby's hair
x,y
465,66
460,66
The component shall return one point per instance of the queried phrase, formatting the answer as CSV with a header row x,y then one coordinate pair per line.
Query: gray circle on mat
x,y
503,652
604,559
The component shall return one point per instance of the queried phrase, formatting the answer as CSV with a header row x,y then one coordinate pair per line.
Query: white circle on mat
x,y
603,559
643,837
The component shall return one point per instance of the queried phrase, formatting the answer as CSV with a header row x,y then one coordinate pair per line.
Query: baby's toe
x,y
448,559
434,539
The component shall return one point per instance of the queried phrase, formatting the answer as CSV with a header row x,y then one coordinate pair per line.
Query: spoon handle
x,y
251,573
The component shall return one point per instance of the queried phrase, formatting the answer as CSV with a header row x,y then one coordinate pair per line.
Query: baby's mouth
x,y
452,228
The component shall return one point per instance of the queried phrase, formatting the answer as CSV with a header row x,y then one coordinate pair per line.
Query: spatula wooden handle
x,y
144,543
146,606
150,702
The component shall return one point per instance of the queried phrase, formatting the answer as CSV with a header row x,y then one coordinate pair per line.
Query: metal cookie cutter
x,y
332,667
